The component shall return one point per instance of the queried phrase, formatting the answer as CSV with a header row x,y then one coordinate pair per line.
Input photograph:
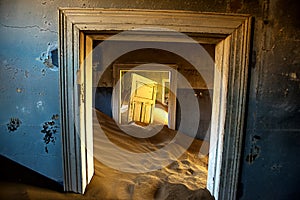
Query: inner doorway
x,y
140,107
125,77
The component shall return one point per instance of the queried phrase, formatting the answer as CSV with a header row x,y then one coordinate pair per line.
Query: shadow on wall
x,y
205,106
14,172
102,99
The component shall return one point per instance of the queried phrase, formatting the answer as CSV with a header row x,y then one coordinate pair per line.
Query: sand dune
x,y
183,178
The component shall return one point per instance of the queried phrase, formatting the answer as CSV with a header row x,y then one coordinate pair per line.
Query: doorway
x,y
124,77
230,34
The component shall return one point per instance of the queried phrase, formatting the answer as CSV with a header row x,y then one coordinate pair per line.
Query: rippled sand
x,y
163,176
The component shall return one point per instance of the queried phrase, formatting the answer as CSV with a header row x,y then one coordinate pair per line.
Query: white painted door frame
x,y
230,33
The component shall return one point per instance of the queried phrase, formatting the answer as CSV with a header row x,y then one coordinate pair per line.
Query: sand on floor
x,y
166,176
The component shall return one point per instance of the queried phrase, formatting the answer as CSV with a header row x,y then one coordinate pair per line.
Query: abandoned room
x,y
121,99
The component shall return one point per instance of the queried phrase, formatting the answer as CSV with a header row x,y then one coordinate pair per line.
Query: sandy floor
x,y
183,178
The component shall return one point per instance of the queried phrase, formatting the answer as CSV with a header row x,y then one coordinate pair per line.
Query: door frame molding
x,y
230,33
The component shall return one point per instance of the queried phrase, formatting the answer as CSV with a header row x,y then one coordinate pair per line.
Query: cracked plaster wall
x,y
29,88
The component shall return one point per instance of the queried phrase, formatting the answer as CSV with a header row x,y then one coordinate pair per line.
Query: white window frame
x,y
231,35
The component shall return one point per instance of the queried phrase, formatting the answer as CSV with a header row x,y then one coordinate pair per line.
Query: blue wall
x,y
102,101
29,108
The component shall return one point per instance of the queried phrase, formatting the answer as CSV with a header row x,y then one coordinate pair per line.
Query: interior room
x,y
85,115
127,63
144,99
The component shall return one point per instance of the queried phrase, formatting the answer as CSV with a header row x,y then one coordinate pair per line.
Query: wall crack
x,y
29,27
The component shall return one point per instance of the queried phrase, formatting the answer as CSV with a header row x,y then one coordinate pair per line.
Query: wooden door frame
x,y
230,33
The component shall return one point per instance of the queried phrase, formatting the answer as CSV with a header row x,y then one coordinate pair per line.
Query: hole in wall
x,y
50,57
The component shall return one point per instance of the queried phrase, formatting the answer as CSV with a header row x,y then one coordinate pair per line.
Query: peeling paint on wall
x,y
19,90
276,167
40,105
26,74
292,76
254,150
14,124
49,130
50,57
43,72
234,5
